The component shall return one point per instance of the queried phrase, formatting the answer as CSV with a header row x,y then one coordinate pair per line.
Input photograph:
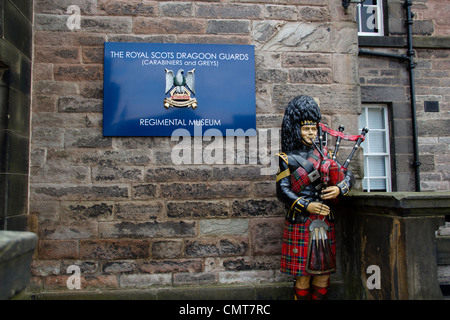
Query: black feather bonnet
x,y
300,109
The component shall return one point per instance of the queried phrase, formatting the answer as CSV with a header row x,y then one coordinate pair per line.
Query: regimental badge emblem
x,y
181,89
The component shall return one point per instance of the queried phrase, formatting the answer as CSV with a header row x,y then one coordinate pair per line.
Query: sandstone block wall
x,y
387,81
118,207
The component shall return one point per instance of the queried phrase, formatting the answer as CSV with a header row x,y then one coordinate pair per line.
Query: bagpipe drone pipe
x,y
330,170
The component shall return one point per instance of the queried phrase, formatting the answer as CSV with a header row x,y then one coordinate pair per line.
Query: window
x,y
369,16
377,170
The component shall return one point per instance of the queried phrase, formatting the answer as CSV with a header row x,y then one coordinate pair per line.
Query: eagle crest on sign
x,y
180,88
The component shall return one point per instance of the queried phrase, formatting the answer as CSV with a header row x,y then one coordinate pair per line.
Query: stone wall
x,y
434,126
118,207
433,72
387,81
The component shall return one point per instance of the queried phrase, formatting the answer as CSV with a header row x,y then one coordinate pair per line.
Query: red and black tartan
x,y
299,178
294,250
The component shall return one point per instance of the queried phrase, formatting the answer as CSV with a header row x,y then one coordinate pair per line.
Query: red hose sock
x,y
319,293
302,294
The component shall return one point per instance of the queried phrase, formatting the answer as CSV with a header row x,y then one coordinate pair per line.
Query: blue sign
x,y
152,89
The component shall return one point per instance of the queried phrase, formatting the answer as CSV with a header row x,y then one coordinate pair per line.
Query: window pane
x,y
377,166
369,17
362,119
377,185
377,142
364,145
366,166
376,118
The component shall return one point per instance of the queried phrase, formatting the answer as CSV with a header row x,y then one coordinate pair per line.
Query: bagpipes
x,y
320,256
330,171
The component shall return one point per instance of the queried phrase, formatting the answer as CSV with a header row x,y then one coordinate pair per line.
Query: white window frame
x,y
368,154
378,19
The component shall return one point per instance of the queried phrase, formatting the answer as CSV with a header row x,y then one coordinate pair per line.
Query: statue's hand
x,y
330,193
318,208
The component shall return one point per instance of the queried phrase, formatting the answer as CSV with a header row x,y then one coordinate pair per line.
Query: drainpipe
x,y
412,88
408,57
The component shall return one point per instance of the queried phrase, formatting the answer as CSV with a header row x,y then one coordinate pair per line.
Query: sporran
x,y
320,256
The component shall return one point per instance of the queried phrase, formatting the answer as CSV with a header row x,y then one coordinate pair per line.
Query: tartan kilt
x,y
294,250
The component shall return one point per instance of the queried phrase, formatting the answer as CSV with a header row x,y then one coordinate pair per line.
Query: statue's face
x,y
309,134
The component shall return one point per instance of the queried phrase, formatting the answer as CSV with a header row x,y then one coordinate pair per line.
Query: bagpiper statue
x,y
309,182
